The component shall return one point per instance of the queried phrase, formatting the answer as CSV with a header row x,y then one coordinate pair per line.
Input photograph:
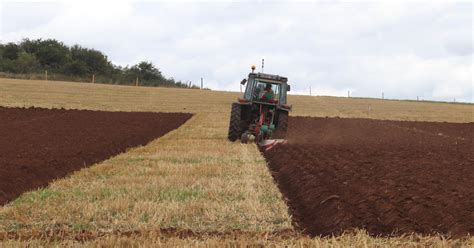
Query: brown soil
x,y
40,145
388,177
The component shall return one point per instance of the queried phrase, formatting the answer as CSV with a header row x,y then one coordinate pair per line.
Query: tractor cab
x,y
266,89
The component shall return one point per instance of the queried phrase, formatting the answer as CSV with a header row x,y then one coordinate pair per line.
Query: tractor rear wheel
x,y
235,127
282,122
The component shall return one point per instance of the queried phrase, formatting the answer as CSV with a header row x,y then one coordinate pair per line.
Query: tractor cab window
x,y
266,92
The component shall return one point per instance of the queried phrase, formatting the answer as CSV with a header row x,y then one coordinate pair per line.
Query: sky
x,y
402,49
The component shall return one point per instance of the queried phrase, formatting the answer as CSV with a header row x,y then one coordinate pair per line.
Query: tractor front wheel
x,y
235,128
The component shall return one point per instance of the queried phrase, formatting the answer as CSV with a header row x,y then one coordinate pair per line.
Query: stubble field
x,y
189,187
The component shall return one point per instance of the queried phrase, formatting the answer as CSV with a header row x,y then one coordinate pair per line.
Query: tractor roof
x,y
265,76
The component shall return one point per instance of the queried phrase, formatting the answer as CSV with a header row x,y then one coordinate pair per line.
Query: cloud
x,y
21,16
402,49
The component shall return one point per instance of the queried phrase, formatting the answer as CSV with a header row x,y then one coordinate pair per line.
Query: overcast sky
x,y
403,49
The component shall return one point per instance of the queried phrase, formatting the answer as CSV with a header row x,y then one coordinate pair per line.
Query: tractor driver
x,y
267,94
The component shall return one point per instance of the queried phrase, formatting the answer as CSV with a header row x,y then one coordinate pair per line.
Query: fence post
x,y
136,82
309,90
201,84
348,93
93,78
46,75
383,96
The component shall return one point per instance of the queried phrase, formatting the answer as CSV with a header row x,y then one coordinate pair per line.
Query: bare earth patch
x,y
40,145
387,177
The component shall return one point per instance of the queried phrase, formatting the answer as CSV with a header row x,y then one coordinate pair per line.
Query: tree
x,y
76,68
52,54
29,56
26,63
10,51
95,61
31,46
2,47
147,74
6,65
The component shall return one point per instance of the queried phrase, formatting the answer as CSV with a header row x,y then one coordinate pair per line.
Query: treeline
x,y
77,63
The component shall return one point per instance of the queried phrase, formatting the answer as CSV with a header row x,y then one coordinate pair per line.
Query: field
x,y
191,186
50,144
387,177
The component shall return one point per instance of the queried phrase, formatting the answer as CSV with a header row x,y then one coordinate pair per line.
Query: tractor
x,y
262,113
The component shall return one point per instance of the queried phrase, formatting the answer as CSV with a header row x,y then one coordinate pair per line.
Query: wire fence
x,y
383,97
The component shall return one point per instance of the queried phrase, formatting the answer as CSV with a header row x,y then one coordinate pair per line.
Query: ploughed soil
x,y
39,145
388,177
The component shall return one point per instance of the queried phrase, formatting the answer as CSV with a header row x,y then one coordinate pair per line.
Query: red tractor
x,y
262,112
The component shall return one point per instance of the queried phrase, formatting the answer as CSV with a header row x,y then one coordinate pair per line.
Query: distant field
x,y
16,93
189,187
